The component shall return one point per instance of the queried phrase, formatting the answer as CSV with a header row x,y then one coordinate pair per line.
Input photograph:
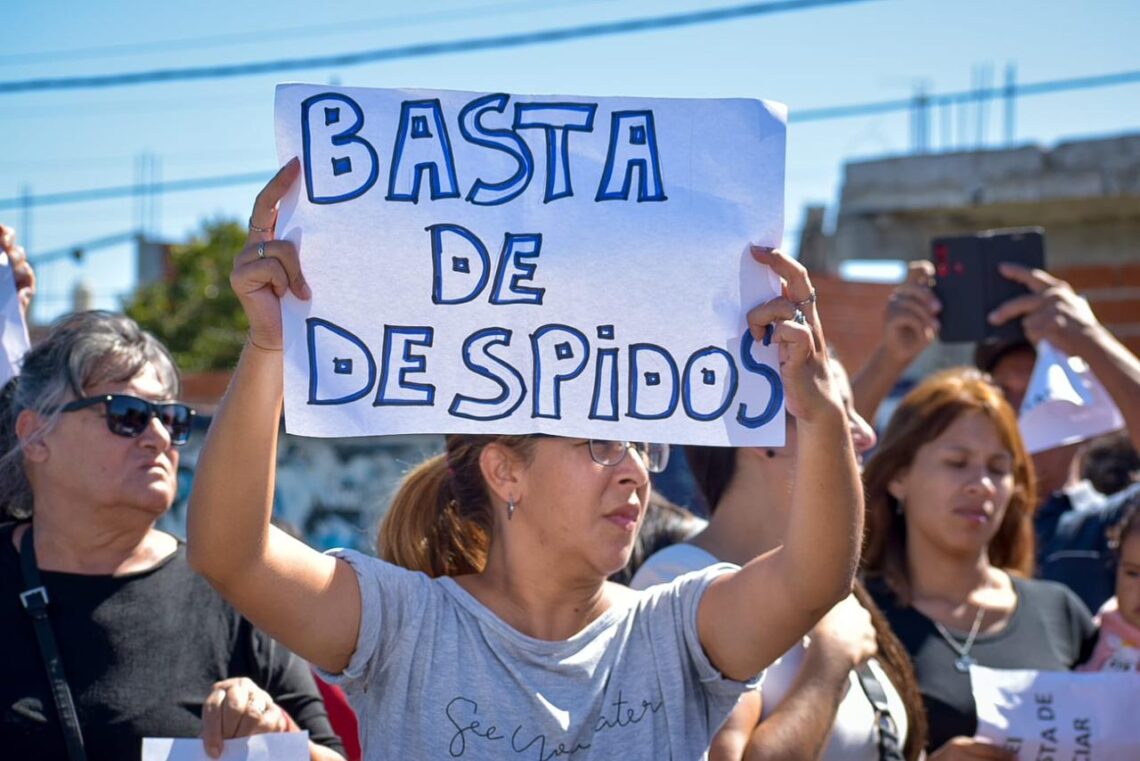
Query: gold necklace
x,y
963,662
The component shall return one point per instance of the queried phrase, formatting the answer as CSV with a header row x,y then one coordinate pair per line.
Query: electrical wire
x,y
418,50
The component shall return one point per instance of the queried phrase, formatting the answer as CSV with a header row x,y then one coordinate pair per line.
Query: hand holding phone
x,y
969,284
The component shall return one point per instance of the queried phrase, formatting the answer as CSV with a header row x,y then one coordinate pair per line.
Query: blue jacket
x,y
1072,542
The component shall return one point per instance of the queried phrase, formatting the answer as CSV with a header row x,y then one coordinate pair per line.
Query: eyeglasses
x,y
611,453
129,416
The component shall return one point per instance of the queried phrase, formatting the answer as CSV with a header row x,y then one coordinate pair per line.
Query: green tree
x,y
194,311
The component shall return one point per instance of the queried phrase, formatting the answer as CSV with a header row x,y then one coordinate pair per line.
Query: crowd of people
x,y
529,597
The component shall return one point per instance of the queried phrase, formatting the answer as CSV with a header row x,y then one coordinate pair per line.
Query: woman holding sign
x,y
534,654
950,495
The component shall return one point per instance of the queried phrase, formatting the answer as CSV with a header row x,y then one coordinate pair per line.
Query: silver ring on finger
x,y
261,250
804,302
799,317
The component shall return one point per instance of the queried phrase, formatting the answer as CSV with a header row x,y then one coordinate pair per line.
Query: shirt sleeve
x,y
680,600
1082,626
393,603
290,683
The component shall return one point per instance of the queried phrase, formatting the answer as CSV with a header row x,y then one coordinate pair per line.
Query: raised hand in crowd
x,y
21,269
910,325
1052,311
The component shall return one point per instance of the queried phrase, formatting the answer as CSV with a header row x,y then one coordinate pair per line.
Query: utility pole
x,y
1010,101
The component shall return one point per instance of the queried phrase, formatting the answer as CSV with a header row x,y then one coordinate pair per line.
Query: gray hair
x,y
81,350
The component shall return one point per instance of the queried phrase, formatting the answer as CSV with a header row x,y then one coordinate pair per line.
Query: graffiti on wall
x,y
332,492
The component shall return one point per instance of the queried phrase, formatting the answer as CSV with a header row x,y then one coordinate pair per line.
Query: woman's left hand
x,y
237,707
802,350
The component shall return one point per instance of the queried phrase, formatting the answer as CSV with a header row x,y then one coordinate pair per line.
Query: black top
x,y
1050,630
140,652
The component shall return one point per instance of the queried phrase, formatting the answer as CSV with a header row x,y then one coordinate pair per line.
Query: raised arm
x,y
308,601
910,325
1053,312
748,619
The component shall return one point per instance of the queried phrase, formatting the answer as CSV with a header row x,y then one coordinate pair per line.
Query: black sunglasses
x,y
129,416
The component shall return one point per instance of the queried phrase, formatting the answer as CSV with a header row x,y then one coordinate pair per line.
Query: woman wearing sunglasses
x,y
525,650
139,645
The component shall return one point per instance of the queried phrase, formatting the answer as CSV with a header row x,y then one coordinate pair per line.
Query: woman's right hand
x,y
267,268
969,749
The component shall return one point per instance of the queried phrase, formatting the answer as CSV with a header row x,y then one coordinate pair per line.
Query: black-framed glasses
x,y
129,415
610,453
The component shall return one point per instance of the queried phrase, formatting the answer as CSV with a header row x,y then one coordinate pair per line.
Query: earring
x,y
769,453
510,507
899,508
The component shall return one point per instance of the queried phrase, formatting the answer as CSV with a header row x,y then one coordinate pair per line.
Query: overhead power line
x,y
966,96
119,191
418,50
77,251
309,31
805,115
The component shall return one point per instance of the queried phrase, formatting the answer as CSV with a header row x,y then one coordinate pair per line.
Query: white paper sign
x,y
1054,715
280,746
13,330
1064,403
493,263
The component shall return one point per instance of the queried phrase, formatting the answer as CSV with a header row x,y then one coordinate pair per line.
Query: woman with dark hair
x,y
950,496
140,646
812,703
519,646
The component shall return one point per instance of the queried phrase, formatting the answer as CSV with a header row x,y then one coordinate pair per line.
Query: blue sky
x,y
67,140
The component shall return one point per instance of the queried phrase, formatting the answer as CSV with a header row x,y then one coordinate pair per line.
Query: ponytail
x,y
423,530
441,518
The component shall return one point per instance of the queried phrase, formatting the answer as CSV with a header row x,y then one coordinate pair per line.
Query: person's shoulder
x,y
1045,595
1115,503
667,564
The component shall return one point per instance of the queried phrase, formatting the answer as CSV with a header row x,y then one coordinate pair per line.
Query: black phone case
x,y
969,285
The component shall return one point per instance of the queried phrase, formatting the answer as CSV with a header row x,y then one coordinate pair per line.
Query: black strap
x,y
885,727
35,601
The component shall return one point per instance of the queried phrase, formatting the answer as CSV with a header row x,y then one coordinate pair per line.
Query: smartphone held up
x,y
970,285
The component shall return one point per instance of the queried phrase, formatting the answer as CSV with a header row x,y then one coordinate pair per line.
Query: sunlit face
x,y
85,462
1012,374
573,507
1128,579
957,489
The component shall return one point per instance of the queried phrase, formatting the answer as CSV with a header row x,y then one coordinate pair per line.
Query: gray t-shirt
x,y
436,674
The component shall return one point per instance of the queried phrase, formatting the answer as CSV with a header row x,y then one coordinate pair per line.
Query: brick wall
x,y
1113,290
852,315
